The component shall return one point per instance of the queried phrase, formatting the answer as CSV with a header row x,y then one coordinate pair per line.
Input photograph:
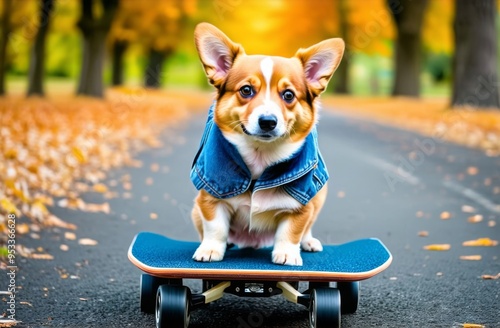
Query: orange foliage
x,y
156,24
370,27
50,144
437,29
478,128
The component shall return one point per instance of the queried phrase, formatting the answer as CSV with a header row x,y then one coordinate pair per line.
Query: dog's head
x,y
266,98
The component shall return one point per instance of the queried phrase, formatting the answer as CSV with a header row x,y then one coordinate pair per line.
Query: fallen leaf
x,y
468,209
83,299
26,303
8,206
445,215
95,208
34,235
100,188
471,257
69,235
54,221
77,152
472,325
423,233
475,218
490,277
472,170
480,242
43,256
437,247
149,181
153,216
155,167
492,223
419,214
22,228
87,242
64,247
341,194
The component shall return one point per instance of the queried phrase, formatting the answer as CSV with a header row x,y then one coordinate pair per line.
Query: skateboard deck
x,y
169,258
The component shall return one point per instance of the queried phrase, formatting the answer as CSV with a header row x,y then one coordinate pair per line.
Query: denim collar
x,y
219,169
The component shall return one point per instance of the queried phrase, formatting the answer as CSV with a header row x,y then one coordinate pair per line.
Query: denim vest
x,y
219,169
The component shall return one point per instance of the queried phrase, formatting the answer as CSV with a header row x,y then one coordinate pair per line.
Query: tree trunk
x,y
408,16
6,29
155,68
119,48
475,77
342,72
37,60
95,31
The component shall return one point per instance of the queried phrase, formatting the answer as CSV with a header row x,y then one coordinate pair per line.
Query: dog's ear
x,y
217,52
320,62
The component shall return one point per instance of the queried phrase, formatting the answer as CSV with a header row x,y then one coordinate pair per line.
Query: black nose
x,y
268,122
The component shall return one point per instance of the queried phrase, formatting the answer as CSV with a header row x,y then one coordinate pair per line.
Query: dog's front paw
x,y
288,254
311,245
210,251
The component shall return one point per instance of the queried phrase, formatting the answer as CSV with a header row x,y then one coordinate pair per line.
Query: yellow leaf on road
x,y
80,157
8,206
472,325
100,187
437,247
480,242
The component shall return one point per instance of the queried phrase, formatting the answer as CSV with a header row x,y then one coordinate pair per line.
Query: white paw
x,y
210,251
288,254
311,245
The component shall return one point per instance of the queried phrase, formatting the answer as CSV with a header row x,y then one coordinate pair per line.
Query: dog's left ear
x,y
320,62
217,52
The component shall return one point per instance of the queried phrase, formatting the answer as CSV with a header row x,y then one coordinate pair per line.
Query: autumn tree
x,y
94,29
342,73
475,67
163,31
157,26
37,61
4,39
408,16
124,31
367,30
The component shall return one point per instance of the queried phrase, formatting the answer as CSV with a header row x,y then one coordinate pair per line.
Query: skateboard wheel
x,y
324,308
349,296
149,286
172,306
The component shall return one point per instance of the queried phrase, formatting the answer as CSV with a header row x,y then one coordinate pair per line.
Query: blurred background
x,y
86,84
394,47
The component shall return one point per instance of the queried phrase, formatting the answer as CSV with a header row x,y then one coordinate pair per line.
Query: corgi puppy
x,y
259,172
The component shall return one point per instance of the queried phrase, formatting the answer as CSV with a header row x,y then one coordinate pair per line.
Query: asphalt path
x,y
385,182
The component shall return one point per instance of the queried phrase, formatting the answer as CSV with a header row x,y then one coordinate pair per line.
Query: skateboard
x,y
332,275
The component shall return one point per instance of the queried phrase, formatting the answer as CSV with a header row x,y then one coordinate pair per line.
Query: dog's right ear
x,y
217,52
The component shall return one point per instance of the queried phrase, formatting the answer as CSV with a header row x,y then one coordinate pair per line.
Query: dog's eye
x,y
288,96
246,91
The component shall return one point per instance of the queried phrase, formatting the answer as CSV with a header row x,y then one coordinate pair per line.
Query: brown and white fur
x,y
269,215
